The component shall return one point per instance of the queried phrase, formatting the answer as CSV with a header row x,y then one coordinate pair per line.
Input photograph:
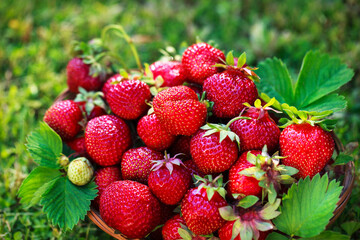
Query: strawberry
x,y
169,180
193,169
181,145
128,98
104,177
136,163
172,72
64,117
106,138
78,75
80,171
78,145
229,90
225,232
117,78
199,60
170,230
257,129
131,208
90,103
200,206
179,110
153,133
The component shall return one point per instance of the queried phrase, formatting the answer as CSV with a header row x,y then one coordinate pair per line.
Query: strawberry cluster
x,y
197,119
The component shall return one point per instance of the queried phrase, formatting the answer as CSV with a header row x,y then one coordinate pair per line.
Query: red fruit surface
x,y
78,76
153,133
78,145
136,163
240,184
199,60
201,215
229,90
131,208
172,72
117,78
96,112
171,227
225,232
106,138
179,110
256,132
64,117
210,155
193,169
170,188
306,148
104,177
181,145
128,99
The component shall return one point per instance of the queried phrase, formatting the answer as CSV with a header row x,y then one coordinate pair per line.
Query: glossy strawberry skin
x,y
229,90
306,148
179,110
171,227
131,208
117,78
199,60
103,178
256,132
64,117
172,72
78,76
153,133
193,169
201,215
225,232
106,138
169,188
78,145
240,184
136,163
181,145
211,156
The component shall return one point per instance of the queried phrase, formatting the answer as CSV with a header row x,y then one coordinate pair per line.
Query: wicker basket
x,y
348,184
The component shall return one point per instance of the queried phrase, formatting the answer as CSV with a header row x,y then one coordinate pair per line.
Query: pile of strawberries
x,y
205,123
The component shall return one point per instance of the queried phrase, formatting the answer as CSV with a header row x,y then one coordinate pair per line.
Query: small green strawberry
x,y
80,171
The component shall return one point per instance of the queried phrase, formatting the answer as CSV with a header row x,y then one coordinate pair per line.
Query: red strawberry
x,y
107,138
229,90
103,178
172,73
78,145
128,99
131,208
193,169
181,145
200,206
171,227
153,133
179,110
78,75
117,78
136,163
64,117
241,184
306,148
225,232
90,103
199,60
169,180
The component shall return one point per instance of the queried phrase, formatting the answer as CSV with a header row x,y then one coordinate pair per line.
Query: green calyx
x,y
91,99
312,118
211,185
258,107
168,162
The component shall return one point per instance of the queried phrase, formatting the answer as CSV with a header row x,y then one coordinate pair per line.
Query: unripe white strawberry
x,y
80,171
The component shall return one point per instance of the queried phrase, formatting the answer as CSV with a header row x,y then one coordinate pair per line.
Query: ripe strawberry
x,y
106,138
103,178
153,133
181,145
170,230
131,208
169,180
64,117
241,184
306,148
78,145
128,99
80,171
179,110
257,131
193,169
200,206
136,163
229,90
117,78
90,103
225,232
172,73
78,75
199,60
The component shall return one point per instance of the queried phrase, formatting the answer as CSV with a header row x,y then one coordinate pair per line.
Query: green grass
x,y
36,42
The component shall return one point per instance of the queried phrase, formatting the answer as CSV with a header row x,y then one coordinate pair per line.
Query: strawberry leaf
x,y
248,201
45,146
308,206
329,235
65,203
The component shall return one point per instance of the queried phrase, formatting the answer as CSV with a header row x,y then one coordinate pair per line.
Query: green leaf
x,y
351,227
329,235
276,236
308,206
36,184
230,59
65,203
332,101
248,201
241,60
44,146
227,213
320,75
343,159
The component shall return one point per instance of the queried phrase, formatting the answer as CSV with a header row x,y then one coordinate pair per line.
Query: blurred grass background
x,y
36,41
